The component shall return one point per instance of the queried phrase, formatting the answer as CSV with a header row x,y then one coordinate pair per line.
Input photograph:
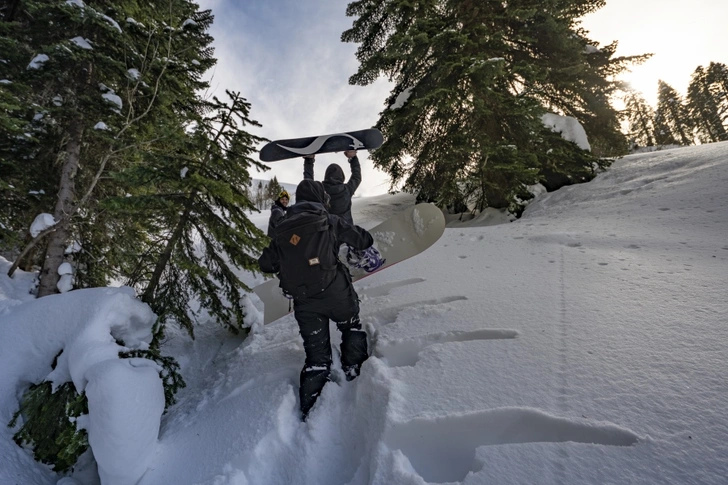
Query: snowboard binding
x,y
369,259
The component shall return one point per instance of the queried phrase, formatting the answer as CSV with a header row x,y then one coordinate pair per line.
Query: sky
x,y
681,35
286,58
581,344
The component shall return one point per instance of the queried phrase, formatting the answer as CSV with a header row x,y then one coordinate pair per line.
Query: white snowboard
x,y
398,238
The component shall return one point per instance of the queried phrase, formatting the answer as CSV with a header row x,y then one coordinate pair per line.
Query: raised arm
x,y
308,167
355,178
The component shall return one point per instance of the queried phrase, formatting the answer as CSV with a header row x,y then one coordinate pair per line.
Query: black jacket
x,y
310,197
340,192
277,212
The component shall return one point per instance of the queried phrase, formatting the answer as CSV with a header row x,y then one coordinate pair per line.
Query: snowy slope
x,y
582,344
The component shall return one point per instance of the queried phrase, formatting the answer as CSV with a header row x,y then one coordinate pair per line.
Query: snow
x,y
65,283
75,3
132,21
5,81
101,126
82,43
188,22
570,129
401,99
183,172
38,61
72,248
41,223
581,344
111,97
125,395
65,269
134,73
111,21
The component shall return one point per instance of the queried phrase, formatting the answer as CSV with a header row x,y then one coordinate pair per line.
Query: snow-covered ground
x,y
583,344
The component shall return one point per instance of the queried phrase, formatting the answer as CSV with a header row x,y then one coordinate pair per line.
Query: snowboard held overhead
x,y
337,142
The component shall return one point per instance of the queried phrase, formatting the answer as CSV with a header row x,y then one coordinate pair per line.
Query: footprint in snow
x,y
405,352
387,316
384,290
442,449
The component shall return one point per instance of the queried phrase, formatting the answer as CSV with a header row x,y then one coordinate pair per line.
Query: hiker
x,y
341,194
278,211
304,253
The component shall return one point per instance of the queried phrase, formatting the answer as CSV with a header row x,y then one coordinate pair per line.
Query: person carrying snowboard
x,y
341,194
277,212
304,253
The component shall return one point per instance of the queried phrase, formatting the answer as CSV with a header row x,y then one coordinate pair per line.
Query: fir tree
x,y
471,81
706,103
274,188
105,96
671,117
191,194
640,117
260,195
718,78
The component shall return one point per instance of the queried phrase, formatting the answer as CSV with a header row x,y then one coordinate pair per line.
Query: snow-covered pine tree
x,y
178,37
640,117
706,104
24,193
94,74
672,122
97,104
471,82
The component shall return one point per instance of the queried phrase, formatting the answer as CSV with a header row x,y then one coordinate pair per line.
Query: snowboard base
x,y
310,145
400,237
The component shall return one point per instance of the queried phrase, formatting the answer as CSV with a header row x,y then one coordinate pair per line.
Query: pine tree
x,y
260,195
471,81
706,103
70,85
671,117
199,236
640,117
274,188
144,75
718,78
24,193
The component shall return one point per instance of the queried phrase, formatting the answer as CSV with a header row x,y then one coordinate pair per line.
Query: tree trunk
x,y
58,239
166,255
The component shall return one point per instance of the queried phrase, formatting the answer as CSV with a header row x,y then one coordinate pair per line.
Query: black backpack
x,y
308,257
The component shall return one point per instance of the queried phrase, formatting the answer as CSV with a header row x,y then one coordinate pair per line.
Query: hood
x,y
310,191
334,173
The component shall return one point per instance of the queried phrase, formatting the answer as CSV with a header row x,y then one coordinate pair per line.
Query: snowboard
x,y
336,142
400,237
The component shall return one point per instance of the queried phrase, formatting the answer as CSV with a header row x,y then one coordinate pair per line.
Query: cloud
x,y
287,59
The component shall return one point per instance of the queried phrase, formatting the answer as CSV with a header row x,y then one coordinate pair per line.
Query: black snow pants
x,y
340,303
